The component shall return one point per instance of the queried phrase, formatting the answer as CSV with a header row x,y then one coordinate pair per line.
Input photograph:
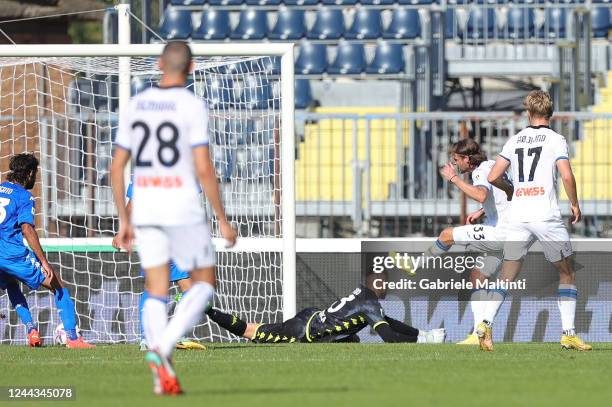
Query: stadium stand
x,y
214,25
521,22
303,94
388,59
312,59
367,25
176,24
601,21
350,59
253,25
290,25
328,25
405,24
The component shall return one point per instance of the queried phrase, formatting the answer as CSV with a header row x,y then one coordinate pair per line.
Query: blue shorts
x,y
176,274
26,269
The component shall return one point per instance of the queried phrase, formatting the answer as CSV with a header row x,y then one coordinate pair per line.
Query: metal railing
x,y
377,175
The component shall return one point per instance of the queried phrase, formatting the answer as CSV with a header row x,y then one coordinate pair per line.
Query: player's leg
x,y
182,279
442,244
20,305
558,250
478,303
232,323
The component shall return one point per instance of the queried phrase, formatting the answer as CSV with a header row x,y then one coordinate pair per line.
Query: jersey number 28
x,y
164,145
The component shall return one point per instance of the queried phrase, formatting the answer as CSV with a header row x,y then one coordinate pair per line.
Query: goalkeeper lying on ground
x,y
338,323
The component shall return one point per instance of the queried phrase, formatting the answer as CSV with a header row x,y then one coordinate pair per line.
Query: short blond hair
x,y
539,104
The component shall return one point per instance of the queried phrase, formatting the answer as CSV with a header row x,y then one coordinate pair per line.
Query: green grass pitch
x,y
324,375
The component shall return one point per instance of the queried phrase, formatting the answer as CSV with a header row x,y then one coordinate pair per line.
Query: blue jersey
x,y
16,208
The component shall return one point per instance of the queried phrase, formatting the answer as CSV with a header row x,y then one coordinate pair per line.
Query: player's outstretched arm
x,y
496,176
569,184
120,160
476,193
388,334
205,171
30,235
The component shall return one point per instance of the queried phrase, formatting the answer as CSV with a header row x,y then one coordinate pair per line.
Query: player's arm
x,y
388,334
120,160
474,216
475,192
401,327
30,235
569,184
115,242
496,176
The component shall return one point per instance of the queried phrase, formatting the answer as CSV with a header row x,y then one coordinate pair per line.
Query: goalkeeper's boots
x,y
472,339
164,377
485,336
34,339
574,342
188,344
78,343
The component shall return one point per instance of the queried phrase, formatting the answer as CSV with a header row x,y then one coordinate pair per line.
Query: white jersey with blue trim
x,y
160,127
533,154
496,206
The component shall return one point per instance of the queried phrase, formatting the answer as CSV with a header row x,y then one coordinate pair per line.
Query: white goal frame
x,y
283,50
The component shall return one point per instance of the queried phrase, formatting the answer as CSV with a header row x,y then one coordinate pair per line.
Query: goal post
x,y
62,102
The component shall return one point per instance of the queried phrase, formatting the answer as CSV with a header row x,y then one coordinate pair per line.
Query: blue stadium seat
x,y
257,93
301,2
187,2
289,25
329,25
350,59
253,25
366,26
520,22
388,59
215,25
340,2
263,2
270,65
554,23
405,24
600,22
377,2
481,23
312,59
176,24
225,2
417,1
451,25
217,91
303,95
140,83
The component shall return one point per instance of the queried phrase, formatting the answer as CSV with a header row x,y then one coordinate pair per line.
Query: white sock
x,y
154,320
187,313
567,306
496,299
478,303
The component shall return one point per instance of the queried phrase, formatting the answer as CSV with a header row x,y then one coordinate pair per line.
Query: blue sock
x,y
21,306
67,313
143,298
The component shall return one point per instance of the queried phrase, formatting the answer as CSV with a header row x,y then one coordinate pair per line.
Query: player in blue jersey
x,y
29,265
180,277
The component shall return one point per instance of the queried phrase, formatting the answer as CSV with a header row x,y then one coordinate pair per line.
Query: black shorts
x,y
292,330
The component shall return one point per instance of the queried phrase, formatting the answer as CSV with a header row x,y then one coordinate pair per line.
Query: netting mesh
x,y
65,110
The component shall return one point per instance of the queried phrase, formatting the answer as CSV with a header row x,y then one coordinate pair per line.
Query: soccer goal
x,y
62,102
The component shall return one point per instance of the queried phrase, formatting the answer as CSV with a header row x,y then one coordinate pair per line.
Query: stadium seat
x,y
328,25
257,93
253,25
303,95
388,59
215,25
269,65
350,59
263,2
188,2
377,2
451,25
415,2
366,26
176,24
289,25
301,2
600,22
217,91
312,59
481,23
405,24
554,25
225,2
339,2
520,22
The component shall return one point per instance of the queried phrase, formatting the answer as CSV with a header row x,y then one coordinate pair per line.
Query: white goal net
x,y
65,111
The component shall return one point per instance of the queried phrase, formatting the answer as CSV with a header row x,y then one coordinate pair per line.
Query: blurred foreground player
x,y
339,323
166,128
29,265
534,156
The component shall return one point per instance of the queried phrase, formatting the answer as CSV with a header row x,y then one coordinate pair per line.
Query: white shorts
x,y
552,235
188,246
482,239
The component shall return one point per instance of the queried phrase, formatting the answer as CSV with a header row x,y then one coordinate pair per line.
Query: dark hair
x,y
468,147
177,57
22,167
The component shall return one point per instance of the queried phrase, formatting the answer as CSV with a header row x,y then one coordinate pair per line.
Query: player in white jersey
x,y
165,129
534,156
484,238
